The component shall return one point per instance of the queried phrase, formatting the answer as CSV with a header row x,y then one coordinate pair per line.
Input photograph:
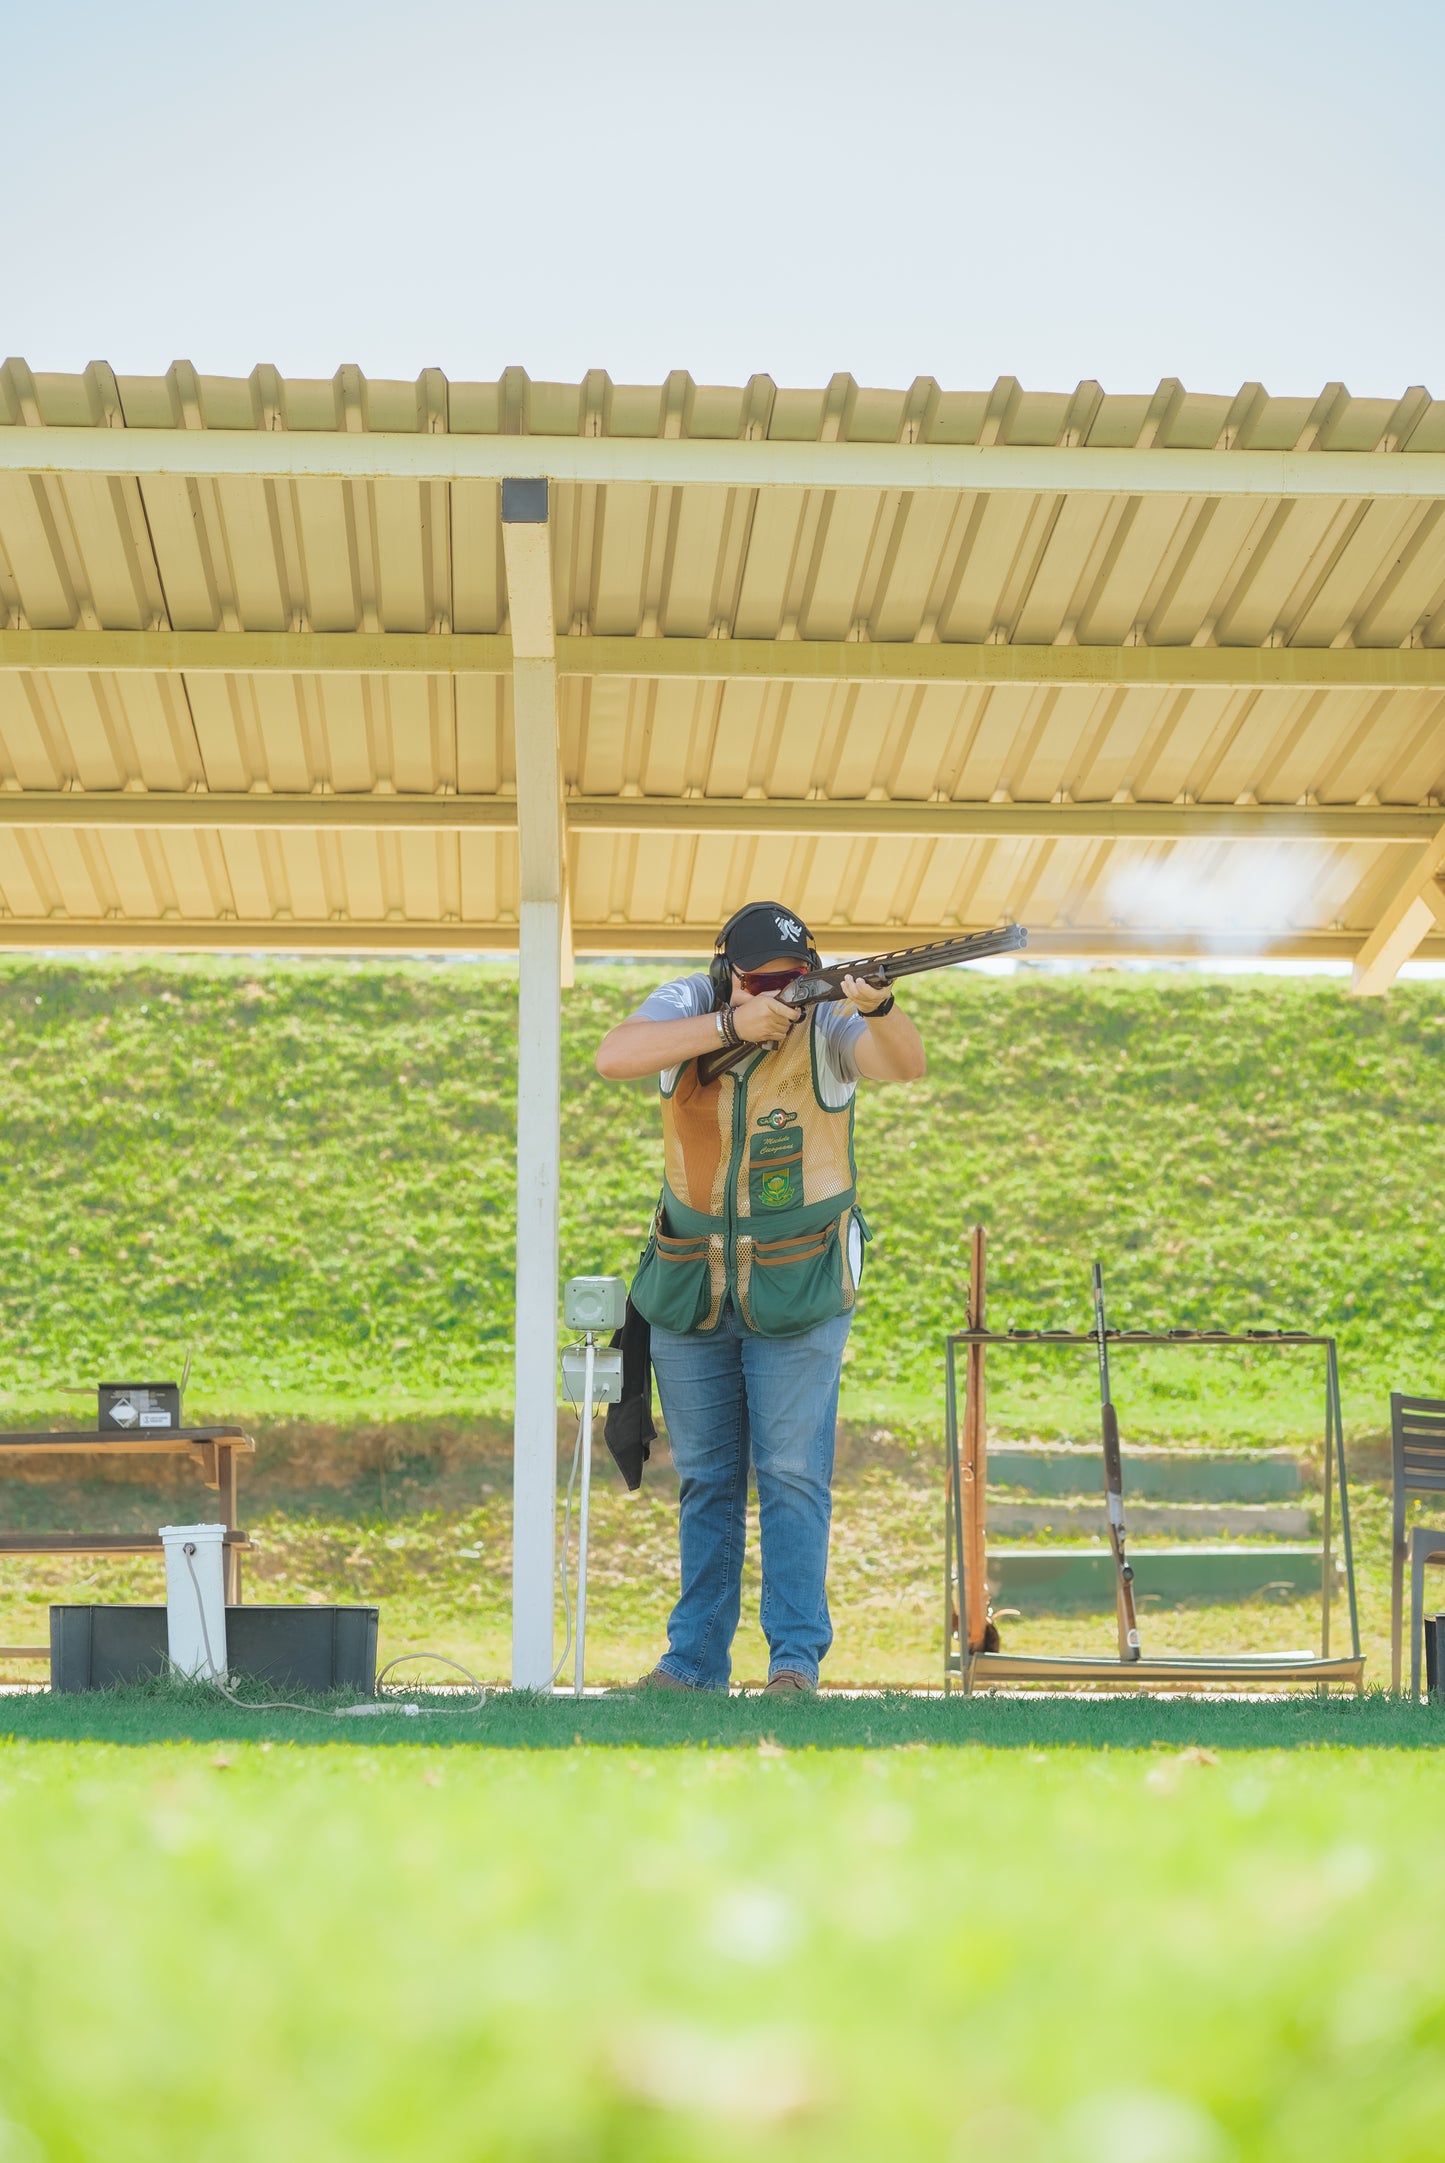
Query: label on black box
x,y
127,1407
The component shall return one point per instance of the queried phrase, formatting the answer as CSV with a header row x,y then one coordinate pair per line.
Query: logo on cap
x,y
789,928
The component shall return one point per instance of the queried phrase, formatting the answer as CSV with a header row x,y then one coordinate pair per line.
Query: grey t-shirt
x,y
687,996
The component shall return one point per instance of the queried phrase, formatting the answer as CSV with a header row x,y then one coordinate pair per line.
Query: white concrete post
x,y
525,536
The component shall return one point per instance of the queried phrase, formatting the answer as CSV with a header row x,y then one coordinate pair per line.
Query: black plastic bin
x,y
314,1649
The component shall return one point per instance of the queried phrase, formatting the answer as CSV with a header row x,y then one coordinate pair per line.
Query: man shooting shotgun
x,y
1114,1486
750,1276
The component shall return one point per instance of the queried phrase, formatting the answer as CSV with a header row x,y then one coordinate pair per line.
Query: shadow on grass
x,y
169,1711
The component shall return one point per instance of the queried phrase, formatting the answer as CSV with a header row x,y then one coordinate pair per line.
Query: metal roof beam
x,y
158,811
660,940
257,653
755,660
783,660
749,817
596,461
1407,919
163,811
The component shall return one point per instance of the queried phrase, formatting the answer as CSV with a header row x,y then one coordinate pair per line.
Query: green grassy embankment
x,y
305,1171
677,1957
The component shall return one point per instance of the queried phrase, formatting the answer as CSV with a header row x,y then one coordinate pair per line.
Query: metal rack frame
x,y
974,1668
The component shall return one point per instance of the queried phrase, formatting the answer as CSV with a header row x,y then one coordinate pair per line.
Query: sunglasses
x,y
758,981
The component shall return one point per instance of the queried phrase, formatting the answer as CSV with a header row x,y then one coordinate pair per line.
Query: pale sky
x,y
1128,190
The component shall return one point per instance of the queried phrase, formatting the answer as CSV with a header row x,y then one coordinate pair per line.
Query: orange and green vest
x,y
758,1194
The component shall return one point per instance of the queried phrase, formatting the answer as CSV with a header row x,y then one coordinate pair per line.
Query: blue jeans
x,y
725,1397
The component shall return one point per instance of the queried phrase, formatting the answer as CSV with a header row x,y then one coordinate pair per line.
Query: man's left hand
x,y
862,996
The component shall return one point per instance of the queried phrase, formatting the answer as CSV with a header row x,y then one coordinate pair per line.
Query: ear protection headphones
x,y
720,969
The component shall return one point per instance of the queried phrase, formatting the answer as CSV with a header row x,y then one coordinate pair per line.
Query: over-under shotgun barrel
x,y
822,985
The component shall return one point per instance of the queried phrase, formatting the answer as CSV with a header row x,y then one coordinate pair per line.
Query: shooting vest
x,y
757,1198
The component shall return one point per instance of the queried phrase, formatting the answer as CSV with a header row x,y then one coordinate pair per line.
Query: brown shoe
x,y
662,1678
789,1683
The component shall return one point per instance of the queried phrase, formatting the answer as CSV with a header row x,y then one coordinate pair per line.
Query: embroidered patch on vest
x,y
775,1171
776,1118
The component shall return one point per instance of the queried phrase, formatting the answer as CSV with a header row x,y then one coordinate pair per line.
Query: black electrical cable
x,y
330,1712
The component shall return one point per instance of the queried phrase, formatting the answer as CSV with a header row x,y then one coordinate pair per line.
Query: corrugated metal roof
x,y
1047,569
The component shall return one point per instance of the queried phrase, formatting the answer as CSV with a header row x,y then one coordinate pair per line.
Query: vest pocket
x,y
793,1284
672,1288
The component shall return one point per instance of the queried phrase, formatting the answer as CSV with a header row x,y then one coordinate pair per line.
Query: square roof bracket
x,y
524,503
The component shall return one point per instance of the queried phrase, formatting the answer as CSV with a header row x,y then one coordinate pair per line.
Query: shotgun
x,y
982,1630
822,985
1114,1485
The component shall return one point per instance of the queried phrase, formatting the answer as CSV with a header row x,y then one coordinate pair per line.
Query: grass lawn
x,y
1184,1954
169,1710
305,1171
1022,1931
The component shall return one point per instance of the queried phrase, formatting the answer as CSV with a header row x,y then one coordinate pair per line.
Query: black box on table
x,y
140,1407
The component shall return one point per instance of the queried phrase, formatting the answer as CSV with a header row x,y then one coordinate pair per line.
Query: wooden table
x,y
213,1449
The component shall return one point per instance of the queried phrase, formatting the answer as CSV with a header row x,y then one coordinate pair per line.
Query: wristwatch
x,y
878,1012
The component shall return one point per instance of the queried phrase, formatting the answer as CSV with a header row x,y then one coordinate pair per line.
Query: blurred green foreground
x,y
242,1951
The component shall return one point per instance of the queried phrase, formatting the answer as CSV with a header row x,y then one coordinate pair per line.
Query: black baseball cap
x,y
763,931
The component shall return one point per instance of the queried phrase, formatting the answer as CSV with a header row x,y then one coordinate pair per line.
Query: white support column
x,y
1409,916
526,545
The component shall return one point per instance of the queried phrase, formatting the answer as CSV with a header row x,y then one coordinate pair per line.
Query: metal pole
x,y
582,1514
957,1589
1327,1553
1345,1539
974,1485
534,1503
950,1540
536,738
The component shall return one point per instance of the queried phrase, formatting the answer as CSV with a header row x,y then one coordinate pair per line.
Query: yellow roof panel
x,y
889,566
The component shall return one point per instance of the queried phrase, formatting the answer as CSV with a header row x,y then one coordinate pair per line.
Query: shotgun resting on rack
x,y
1114,1485
822,985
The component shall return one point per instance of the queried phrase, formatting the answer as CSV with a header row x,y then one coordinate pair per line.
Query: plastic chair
x,y
1417,1435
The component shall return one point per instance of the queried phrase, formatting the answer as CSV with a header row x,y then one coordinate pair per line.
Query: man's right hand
x,y
765,1020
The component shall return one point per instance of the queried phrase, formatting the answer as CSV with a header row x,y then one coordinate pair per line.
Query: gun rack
x,y
971,1666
